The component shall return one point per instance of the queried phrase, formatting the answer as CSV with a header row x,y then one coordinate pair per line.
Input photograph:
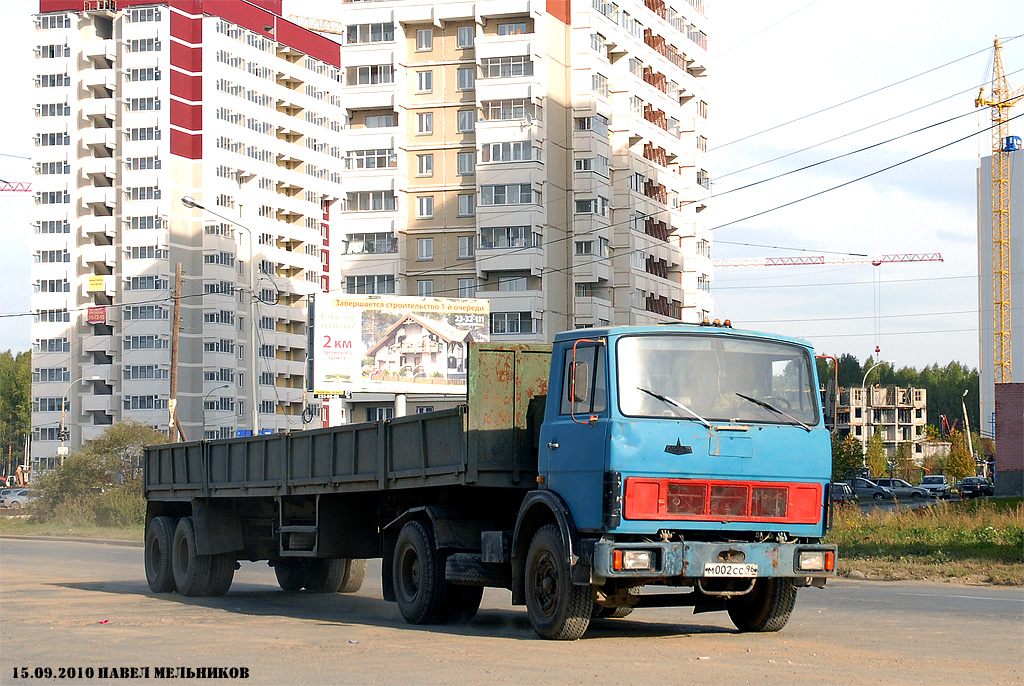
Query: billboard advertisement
x,y
393,344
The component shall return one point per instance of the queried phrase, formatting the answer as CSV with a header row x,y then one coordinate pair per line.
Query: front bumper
x,y
687,559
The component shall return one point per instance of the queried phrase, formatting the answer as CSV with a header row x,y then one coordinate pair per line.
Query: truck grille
x,y
718,500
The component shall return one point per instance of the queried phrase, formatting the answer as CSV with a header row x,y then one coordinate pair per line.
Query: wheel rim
x,y
409,574
545,584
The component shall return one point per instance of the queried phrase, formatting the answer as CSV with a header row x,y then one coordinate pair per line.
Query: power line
x,y
841,283
765,29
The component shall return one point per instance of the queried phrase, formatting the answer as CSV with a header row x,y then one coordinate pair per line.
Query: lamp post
x,y
191,203
207,397
967,430
867,408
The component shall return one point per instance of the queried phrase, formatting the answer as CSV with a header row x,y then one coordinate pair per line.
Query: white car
x,y
937,485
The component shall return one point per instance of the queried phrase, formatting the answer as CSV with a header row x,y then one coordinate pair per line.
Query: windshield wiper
x,y
675,403
768,406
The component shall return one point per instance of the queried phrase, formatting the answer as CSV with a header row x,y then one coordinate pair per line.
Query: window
x,y
496,110
466,161
509,194
424,165
598,124
467,288
511,283
466,121
599,45
464,78
370,33
373,74
424,207
424,39
584,388
512,28
424,81
506,67
513,323
371,201
379,158
425,122
599,84
379,121
517,151
467,205
598,206
465,247
424,248
379,414
598,163
425,288
508,237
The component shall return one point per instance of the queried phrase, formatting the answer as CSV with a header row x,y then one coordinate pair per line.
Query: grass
x,y
980,541
27,525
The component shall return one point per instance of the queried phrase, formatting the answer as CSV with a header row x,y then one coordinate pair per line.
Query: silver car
x,y
17,498
869,490
902,489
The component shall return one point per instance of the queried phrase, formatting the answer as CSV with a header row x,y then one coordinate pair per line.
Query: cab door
x,y
574,438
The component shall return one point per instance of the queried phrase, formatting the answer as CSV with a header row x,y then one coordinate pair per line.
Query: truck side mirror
x,y
580,390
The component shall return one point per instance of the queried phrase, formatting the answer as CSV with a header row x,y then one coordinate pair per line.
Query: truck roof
x,y
707,330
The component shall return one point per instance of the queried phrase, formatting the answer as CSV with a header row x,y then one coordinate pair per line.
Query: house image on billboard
x,y
421,349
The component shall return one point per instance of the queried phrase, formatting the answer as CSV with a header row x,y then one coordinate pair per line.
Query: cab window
x,y
584,383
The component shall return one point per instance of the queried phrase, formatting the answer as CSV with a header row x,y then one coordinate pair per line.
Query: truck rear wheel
x,y
291,574
355,573
766,608
159,543
424,596
222,573
558,608
191,570
325,575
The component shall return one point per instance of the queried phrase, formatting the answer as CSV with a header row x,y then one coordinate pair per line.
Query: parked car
x,y
869,490
17,498
976,486
902,489
937,485
843,493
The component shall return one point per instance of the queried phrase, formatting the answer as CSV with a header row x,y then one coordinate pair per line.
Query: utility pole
x,y
172,403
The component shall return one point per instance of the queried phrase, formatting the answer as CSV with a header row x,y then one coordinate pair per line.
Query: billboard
x,y
393,344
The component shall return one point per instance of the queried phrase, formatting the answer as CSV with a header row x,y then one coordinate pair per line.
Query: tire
x,y
325,575
558,608
878,496
355,573
462,603
418,573
291,574
766,608
222,573
915,496
615,612
159,544
191,570
15,504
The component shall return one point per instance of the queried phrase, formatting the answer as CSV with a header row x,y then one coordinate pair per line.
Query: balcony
x,y
97,226
99,195
99,403
99,138
99,49
99,344
99,108
99,254
99,284
99,80
99,166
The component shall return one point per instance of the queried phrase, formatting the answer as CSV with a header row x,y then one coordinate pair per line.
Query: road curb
x,y
74,539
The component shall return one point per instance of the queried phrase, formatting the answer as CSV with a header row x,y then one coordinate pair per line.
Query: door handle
x,y
552,446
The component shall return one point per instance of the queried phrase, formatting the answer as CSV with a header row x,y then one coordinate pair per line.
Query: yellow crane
x,y
1000,102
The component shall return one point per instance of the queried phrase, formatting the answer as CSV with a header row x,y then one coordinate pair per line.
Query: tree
x,y
902,463
847,456
960,462
878,461
15,407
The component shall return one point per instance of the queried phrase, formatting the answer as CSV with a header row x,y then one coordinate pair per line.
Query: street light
x,y
867,409
967,430
191,203
207,397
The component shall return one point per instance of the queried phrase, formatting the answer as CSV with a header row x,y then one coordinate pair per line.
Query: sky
x,y
780,73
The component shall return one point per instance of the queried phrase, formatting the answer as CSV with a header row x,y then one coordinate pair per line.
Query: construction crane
x,y
318,25
1000,102
809,260
15,186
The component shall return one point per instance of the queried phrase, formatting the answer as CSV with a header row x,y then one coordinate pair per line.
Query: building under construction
x,y
899,414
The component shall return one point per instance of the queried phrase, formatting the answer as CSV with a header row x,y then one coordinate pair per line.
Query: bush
x,y
121,506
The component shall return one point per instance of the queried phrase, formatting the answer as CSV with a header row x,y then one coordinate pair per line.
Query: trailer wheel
x,y
462,603
766,608
355,573
222,573
291,574
558,608
418,572
159,543
325,575
191,570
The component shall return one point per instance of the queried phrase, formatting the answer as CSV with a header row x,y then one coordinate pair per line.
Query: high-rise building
x,y
550,157
139,104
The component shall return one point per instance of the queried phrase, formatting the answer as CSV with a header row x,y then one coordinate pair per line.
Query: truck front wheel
x,y
766,608
558,609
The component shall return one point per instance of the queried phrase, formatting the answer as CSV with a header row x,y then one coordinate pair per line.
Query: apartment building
x,y
899,414
548,157
139,104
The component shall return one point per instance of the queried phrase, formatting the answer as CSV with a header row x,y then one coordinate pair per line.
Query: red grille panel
x,y
718,500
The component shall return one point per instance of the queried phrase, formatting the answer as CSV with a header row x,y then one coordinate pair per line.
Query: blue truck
x,y
617,468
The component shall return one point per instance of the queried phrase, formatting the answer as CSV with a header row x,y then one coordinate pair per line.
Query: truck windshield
x,y
717,378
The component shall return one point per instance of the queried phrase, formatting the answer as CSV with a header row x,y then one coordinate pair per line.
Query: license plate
x,y
729,569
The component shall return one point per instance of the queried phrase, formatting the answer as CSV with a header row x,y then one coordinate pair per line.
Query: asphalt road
x,y
80,605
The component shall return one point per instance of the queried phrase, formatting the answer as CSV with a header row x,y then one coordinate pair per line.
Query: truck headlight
x,y
815,561
632,560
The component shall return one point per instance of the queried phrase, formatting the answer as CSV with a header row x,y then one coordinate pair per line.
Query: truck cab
x,y
690,456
